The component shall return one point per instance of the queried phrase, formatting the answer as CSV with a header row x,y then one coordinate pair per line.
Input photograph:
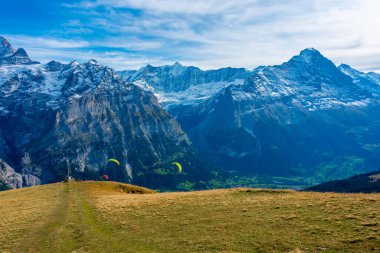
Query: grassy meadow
x,y
107,217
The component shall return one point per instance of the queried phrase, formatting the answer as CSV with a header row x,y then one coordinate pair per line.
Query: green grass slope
x,y
106,217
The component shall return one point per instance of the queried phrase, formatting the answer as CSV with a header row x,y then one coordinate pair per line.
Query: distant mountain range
x,y
365,183
304,120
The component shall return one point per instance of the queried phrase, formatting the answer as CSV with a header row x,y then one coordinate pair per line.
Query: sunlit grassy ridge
x,y
102,217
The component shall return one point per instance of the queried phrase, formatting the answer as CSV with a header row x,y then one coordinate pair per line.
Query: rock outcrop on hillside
x,y
16,180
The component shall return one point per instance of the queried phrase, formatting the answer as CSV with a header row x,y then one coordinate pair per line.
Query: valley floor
x,y
101,217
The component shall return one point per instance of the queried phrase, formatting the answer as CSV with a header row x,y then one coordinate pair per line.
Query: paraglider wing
x,y
178,166
104,177
114,160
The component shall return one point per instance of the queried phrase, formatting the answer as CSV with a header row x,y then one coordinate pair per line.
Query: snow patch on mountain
x,y
194,94
368,81
8,71
181,85
51,84
6,48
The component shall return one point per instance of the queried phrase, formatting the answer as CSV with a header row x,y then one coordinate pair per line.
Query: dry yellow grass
x,y
23,210
240,221
101,217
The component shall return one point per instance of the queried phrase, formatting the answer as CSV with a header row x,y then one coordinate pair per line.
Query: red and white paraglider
x,y
104,177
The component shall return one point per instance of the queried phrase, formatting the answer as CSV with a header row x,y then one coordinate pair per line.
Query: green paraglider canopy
x,y
113,160
179,166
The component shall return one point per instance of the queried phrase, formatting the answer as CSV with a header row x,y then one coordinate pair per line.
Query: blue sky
x,y
127,34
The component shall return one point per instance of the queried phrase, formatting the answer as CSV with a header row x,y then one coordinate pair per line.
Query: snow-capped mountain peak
x,y
310,51
74,64
311,56
348,70
4,42
283,114
9,56
93,62
177,69
6,48
367,81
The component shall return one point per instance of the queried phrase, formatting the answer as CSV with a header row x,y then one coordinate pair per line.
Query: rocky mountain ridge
x,y
303,118
173,84
55,117
8,55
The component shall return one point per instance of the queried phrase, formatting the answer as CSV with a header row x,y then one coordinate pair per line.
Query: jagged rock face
x,y
8,55
6,48
16,180
54,66
56,116
9,176
177,84
179,78
30,180
19,57
287,120
367,81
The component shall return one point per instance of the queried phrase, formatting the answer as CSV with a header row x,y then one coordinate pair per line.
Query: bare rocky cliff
x,y
59,117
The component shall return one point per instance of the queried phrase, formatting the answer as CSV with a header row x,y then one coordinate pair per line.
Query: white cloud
x,y
116,60
41,42
169,6
220,33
